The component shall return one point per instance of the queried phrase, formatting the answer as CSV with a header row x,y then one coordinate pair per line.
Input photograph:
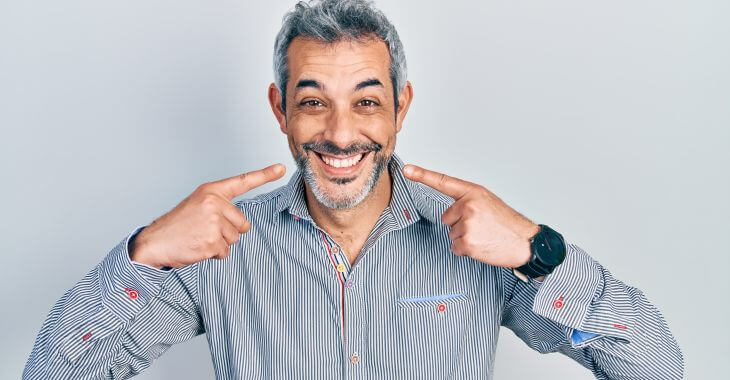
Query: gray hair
x,y
334,20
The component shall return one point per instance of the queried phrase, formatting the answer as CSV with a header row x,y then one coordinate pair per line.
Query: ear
x,y
404,101
275,102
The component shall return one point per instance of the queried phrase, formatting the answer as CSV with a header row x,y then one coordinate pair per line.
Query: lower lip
x,y
350,170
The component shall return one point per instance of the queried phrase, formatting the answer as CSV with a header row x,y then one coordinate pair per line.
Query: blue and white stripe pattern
x,y
278,307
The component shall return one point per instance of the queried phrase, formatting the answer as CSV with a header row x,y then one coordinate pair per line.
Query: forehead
x,y
349,59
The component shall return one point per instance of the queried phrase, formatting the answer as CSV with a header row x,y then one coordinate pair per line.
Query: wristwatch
x,y
548,251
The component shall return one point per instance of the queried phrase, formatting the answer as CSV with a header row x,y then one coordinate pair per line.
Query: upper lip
x,y
341,156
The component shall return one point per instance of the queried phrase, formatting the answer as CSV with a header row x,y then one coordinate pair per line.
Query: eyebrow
x,y
311,83
367,83
307,83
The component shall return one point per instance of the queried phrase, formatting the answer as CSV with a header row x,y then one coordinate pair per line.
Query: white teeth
x,y
341,163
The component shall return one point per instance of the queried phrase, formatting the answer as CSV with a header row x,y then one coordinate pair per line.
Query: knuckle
x,y
196,245
211,241
243,177
214,218
233,239
470,206
467,240
483,192
203,188
209,200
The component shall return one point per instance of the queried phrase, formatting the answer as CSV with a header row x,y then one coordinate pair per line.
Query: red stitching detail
x,y
339,277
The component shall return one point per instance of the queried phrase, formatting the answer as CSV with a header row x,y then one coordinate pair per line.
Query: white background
x,y
608,121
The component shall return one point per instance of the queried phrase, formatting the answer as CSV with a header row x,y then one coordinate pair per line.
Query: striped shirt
x,y
287,304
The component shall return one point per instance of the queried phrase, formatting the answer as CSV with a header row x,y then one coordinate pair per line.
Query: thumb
x,y
239,184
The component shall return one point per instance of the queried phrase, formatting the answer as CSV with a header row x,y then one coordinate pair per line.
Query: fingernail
x,y
408,170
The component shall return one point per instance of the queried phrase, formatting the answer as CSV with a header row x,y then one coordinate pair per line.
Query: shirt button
x,y
355,358
335,249
341,267
131,293
558,303
349,284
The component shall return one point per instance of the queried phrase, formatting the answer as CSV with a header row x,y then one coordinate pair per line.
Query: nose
x,y
341,128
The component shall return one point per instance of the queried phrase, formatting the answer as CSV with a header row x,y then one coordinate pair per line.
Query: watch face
x,y
550,247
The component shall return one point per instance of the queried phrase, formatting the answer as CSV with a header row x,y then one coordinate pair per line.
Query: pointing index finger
x,y
453,187
239,184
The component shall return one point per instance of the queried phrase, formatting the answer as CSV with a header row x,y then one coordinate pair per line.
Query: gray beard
x,y
305,165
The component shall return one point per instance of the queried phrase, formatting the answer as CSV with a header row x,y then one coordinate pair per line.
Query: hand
x,y
481,225
204,225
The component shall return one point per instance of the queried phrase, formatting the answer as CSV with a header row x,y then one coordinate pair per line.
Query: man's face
x,y
340,119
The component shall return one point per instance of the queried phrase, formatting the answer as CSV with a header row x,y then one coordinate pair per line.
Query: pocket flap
x,y
418,302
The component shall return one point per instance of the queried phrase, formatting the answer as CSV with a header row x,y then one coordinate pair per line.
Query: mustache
x,y
330,148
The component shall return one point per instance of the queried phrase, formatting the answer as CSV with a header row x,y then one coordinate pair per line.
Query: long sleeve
x,y
115,321
582,311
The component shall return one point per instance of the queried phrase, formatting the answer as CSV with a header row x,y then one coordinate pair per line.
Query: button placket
x,y
354,325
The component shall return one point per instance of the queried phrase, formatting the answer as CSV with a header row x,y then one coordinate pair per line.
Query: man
x,y
360,266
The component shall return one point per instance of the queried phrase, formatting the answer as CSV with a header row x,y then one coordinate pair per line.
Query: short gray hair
x,y
334,20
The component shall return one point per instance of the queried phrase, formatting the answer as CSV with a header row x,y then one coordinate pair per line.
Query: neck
x,y
351,227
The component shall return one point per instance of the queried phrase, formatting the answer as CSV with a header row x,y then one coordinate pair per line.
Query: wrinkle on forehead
x,y
342,59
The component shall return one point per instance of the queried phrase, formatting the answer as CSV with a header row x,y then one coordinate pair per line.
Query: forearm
x,y
84,335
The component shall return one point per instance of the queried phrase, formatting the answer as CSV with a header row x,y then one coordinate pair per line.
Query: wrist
x,y
139,253
547,251
525,247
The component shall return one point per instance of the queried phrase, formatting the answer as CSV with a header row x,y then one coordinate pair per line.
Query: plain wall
x,y
608,121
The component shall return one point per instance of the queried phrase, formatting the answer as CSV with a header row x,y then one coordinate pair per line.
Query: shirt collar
x,y
408,203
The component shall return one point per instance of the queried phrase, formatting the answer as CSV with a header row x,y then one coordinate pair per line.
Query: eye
x,y
311,103
368,103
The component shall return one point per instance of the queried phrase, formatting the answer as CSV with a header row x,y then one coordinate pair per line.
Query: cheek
x,y
381,132
302,128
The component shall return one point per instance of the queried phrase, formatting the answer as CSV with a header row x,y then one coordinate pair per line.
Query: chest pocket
x,y
432,330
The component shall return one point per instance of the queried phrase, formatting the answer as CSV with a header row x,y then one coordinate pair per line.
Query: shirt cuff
x,y
569,296
578,338
127,286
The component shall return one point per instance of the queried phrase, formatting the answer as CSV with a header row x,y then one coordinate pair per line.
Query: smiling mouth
x,y
341,165
341,162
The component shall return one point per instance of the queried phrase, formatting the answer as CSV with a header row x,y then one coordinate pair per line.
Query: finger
x,y
452,214
453,187
234,216
458,247
234,186
457,230
229,232
221,249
